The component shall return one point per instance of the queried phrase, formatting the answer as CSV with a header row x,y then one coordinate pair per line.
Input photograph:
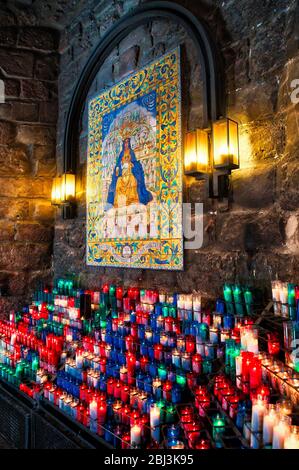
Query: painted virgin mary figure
x,y
128,185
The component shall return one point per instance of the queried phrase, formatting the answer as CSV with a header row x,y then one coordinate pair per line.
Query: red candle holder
x,y
105,288
117,389
191,380
190,344
158,352
255,374
131,363
233,402
262,393
125,394
144,363
126,441
134,416
110,386
167,387
204,444
126,411
169,321
197,364
119,293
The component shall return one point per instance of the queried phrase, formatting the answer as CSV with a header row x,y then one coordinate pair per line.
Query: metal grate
x,y
46,435
14,421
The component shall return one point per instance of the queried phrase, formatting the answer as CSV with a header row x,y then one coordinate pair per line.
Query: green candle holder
x,y
228,293
162,404
238,299
218,429
170,414
162,372
291,295
248,296
165,311
181,379
173,312
112,290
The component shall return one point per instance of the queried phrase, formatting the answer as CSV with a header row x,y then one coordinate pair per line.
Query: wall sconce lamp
x,y
64,194
197,154
225,137
213,155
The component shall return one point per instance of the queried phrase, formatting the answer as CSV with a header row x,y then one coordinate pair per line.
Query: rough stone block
x,y
26,187
6,231
12,87
128,61
19,256
288,177
39,38
34,233
46,68
36,135
44,152
19,64
8,36
14,160
45,168
7,133
13,209
254,187
5,111
24,111
42,211
48,112
35,90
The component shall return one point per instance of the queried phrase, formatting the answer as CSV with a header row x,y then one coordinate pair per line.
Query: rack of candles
x,y
143,368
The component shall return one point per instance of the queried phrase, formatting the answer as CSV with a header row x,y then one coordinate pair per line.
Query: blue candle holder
x,y
153,369
133,317
149,402
151,353
148,384
121,358
108,436
110,402
171,343
141,332
173,431
143,349
156,336
171,373
103,384
228,322
140,381
158,309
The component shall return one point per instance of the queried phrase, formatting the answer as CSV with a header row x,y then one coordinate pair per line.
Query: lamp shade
x,y
56,191
226,144
68,187
197,152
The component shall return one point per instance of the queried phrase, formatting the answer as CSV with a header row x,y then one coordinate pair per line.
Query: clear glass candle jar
x,y
270,420
285,406
292,440
281,431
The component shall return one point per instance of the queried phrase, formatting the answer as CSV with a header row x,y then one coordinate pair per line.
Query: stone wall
x,y
29,68
255,235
